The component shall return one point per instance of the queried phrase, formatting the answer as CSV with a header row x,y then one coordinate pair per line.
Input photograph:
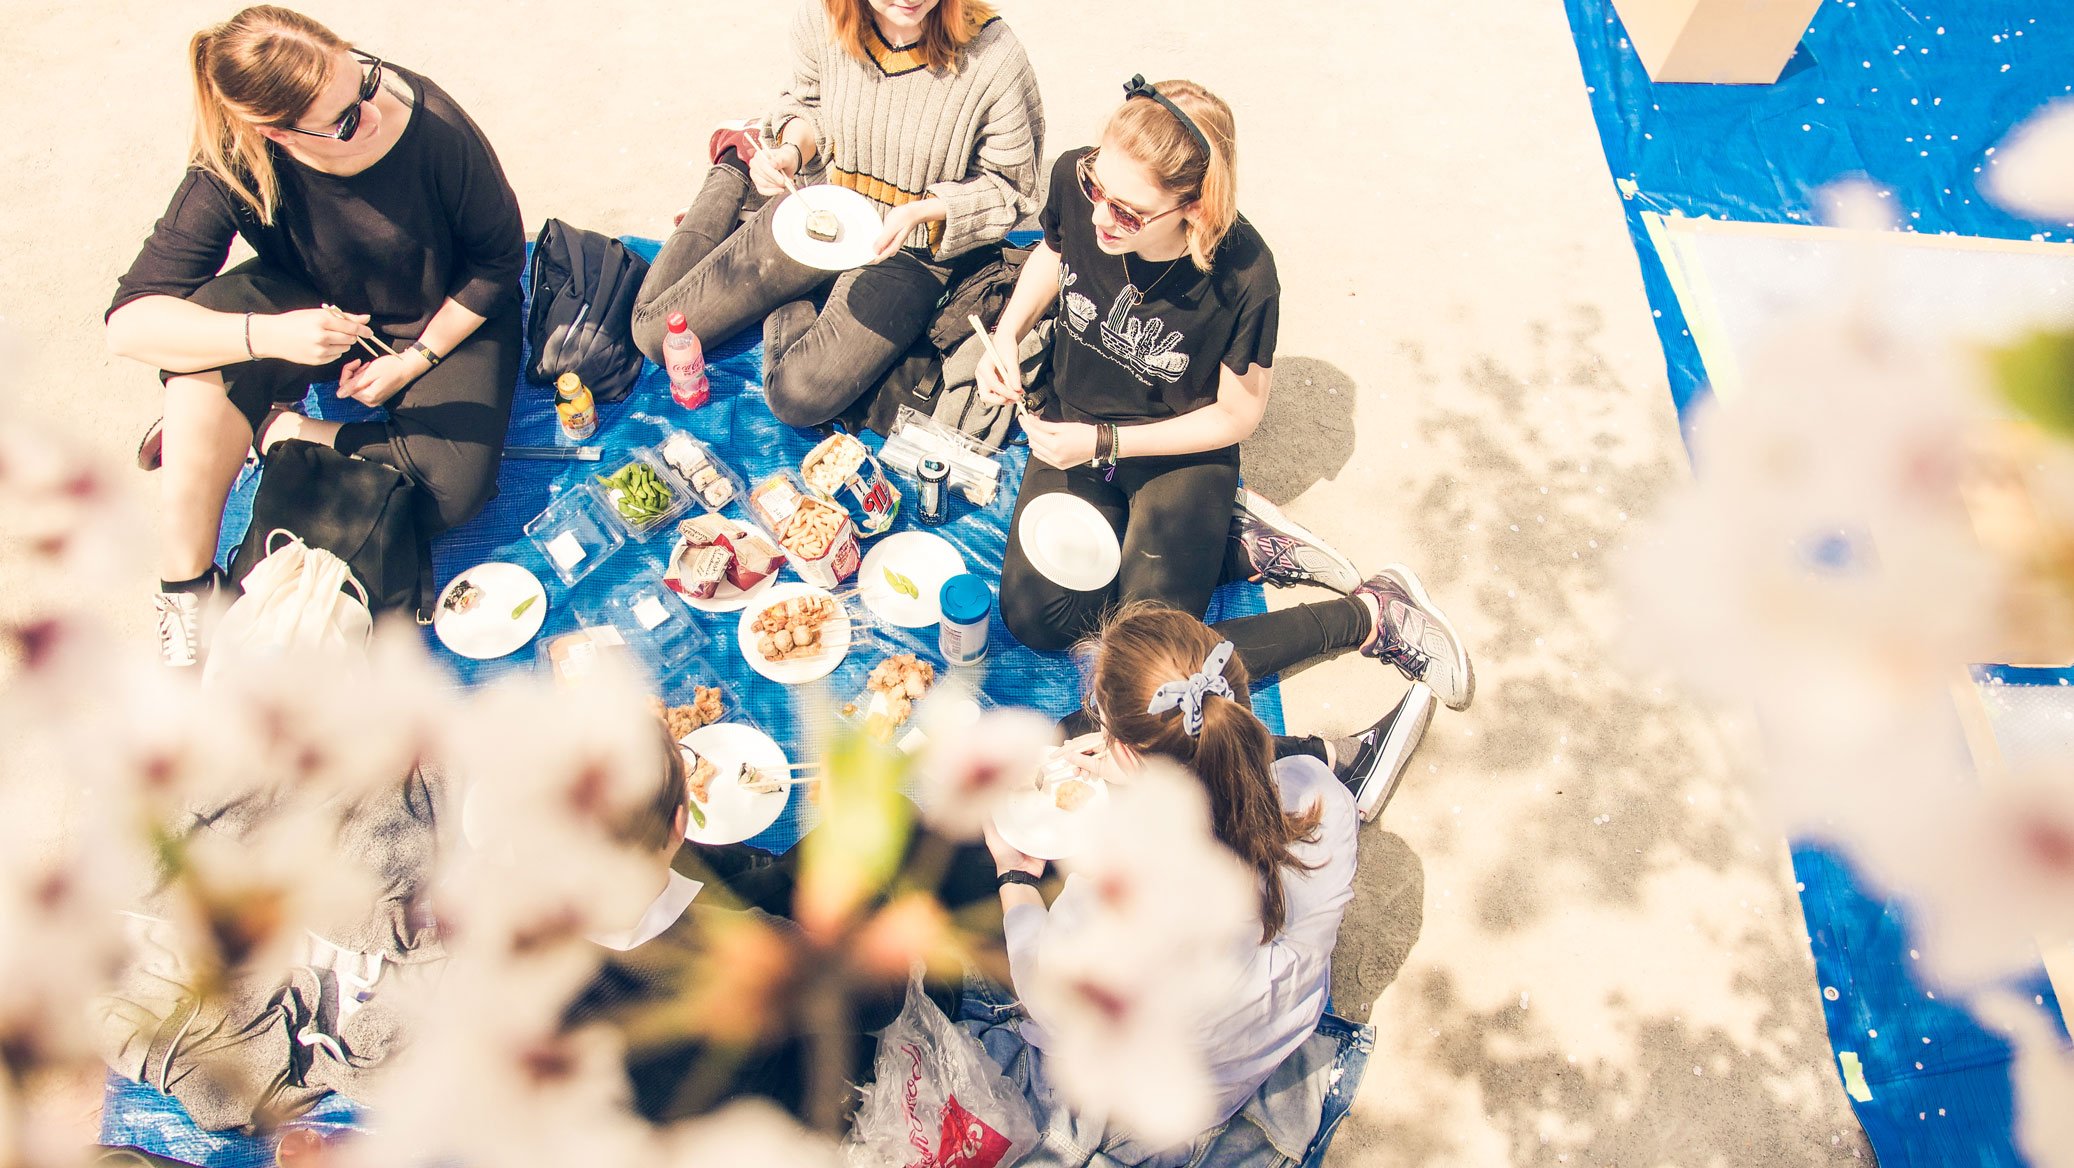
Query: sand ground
x,y
1576,942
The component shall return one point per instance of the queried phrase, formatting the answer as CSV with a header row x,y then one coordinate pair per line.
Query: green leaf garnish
x,y
902,584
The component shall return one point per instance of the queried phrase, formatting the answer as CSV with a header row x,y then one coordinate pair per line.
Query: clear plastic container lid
x,y
659,626
573,534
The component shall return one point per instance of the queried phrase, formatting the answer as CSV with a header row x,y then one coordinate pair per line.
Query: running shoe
x,y
1283,553
179,628
1384,750
1412,634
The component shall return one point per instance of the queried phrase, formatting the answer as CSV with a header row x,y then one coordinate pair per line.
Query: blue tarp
x,y
1914,95
739,427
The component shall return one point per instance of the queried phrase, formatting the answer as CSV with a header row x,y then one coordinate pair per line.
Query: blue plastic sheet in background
x,y
1914,96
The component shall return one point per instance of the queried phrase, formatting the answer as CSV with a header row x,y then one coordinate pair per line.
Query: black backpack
x,y
361,511
581,319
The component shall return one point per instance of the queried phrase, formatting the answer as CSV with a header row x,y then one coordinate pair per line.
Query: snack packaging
x,y
697,571
575,656
752,559
704,531
821,542
775,499
842,470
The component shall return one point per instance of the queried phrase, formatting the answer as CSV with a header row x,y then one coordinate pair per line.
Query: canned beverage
x,y
575,408
841,470
961,636
932,499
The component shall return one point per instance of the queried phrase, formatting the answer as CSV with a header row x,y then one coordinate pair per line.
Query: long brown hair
x,y
948,28
263,66
1148,132
1145,646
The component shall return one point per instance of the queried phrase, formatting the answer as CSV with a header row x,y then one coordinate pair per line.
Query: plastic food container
x,y
680,686
574,535
713,482
657,625
643,495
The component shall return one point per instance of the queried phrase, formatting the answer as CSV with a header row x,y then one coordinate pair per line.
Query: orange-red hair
x,y
948,28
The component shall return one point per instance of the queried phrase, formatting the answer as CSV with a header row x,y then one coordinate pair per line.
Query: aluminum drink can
x,y
932,501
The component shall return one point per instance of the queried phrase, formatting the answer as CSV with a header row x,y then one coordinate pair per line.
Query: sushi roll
x,y
824,226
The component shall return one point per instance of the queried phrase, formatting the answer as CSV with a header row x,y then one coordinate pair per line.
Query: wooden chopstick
x,y
364,342
1009,371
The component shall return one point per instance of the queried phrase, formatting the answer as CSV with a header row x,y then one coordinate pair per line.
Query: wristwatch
x,y
1016,876
424,350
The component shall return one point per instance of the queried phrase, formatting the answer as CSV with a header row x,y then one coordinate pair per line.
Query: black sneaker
x,y
1385,750
1283,553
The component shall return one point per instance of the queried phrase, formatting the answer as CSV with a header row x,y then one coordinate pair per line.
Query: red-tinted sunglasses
x,y
1129,221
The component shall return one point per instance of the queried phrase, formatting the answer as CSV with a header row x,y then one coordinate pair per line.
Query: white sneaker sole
x,y
1401,742
1402,576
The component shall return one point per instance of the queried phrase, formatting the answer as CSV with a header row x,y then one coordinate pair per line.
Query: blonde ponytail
x,y
262,67
1147,132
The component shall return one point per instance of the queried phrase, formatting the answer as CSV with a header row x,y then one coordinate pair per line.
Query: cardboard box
x,y
1720,42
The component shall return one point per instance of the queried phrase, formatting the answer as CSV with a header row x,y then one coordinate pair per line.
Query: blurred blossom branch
x,y
1873,511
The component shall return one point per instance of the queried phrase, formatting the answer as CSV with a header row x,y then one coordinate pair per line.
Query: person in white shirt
x,y
1166,685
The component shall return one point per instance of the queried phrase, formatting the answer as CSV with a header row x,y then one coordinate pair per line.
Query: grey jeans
x,y
827,338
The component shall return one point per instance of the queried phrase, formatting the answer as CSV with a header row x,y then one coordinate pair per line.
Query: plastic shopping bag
x,y
937,1101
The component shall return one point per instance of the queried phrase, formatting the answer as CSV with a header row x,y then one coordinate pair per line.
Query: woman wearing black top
x,y
1168,306
358,184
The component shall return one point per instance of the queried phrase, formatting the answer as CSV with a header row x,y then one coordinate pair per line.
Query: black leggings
x,y
1174,518
445,430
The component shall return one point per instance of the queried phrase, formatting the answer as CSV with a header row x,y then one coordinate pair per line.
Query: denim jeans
x,y
828,338
1288,1123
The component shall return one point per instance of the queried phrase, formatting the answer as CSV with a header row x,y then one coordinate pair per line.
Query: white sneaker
x,y
179,628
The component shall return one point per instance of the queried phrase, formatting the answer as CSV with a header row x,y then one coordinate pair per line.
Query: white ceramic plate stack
x,y
1069,542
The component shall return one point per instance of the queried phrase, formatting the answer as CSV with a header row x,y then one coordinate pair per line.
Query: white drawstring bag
x,y
298,598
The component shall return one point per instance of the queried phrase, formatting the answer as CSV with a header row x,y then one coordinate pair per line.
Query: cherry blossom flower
x,y
2035,177
1123,988
2043,1076
965,771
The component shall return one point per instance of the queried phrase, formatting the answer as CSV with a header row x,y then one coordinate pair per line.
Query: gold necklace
x,y
1133,280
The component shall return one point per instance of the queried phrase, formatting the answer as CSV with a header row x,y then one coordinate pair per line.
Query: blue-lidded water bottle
x,y
961,636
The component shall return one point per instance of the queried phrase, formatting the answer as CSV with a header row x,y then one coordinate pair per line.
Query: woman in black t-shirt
x,y
1167,310
358,184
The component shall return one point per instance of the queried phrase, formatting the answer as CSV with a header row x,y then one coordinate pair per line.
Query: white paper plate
x,y
1069,542
926,561
835,639
1032,823
732,814
488,630
853,245
729,598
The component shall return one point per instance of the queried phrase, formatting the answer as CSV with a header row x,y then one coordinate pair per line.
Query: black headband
x,y
1137,86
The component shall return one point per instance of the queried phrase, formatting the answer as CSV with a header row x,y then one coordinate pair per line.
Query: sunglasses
x,y
1129,221
349,123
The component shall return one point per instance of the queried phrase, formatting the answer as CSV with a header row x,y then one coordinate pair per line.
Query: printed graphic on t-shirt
x,y
1143,345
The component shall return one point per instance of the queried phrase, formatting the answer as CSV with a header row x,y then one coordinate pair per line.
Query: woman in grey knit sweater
x,y
930,109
